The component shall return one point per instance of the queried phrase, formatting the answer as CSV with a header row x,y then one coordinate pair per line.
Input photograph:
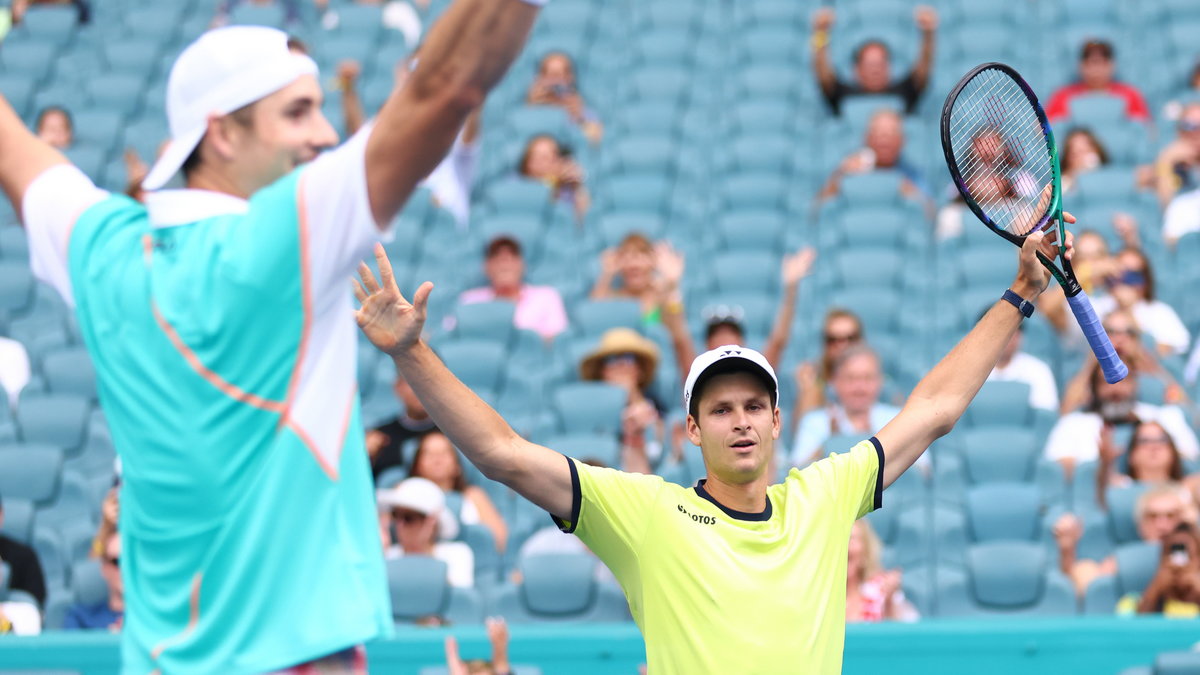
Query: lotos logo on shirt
x,y
703,520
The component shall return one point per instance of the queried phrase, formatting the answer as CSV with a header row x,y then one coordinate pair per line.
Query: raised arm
x,y
795,268
822,22
23,156
393,324
941,397
927,20
465,53
353,115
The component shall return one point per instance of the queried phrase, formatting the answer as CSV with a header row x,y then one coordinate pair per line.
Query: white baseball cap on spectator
x,y
423,496
224,70
729,359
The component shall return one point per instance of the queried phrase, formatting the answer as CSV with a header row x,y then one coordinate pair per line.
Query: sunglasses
x,y
620,360
1189,126
1161,438
834,339
409,517
115,560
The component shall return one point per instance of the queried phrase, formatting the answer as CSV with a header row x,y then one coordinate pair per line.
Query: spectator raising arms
x,y
872,593
1097,76
557,85
539,308
639,270
497,632
872,64
436,460
548,161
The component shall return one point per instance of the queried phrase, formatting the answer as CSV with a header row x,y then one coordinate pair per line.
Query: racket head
x,y
1001,152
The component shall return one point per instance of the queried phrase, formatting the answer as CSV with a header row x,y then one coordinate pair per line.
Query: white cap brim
x,y
172,158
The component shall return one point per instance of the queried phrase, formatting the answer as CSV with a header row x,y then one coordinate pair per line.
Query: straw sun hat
x,y
617,341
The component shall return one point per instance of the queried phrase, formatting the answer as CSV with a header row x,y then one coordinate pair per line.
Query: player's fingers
x,y
1069,251
368,278
1068,217
359,293
421,297
386,278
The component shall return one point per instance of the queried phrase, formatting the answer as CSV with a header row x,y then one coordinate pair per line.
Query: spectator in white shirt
x,y
416,509
539,308
857,381
1182,216
1133,289
1076,436
1017,366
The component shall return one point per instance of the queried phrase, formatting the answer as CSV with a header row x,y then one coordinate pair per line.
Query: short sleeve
x,y
609,511
854,479
335,215
52,204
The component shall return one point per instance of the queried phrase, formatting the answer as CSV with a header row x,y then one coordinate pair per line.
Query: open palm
x,y
389,321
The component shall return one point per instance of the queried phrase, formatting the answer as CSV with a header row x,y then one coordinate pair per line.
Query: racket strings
x,y
1001,152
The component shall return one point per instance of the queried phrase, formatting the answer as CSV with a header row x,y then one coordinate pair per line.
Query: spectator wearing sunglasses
x,y
1132,288
625,359
108,614
1177,167
1150,458
842,329
415,521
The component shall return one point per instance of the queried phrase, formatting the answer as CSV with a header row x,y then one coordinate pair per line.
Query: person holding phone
x,y
1175,589
556,84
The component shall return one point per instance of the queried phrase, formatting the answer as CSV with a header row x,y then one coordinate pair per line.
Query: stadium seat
x,y
999,453
601,446
762,152
478,363
30,471
659,83
519,196
762,117
70,371
487,560
1097,109
18,88
1000,403
1005,578
419,589
591,318
59,420
1136,565
1106,184
636,191
87,583
18,519
868,267
1003,511
589,407
746,271
559,587
755,189
490,321
16,287
873,188
117,92
49,24
47,544
1121,502
752,229
1177,663
611,228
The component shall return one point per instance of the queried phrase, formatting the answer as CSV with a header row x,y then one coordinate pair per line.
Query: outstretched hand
x,y
389,321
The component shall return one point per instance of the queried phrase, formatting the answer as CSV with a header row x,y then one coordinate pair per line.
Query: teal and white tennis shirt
x,y
224,342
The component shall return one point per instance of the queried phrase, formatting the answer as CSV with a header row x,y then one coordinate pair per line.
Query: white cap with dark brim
x,y
729,359
222,71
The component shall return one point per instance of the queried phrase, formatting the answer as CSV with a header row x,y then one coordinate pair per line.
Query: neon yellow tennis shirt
x,y
720,591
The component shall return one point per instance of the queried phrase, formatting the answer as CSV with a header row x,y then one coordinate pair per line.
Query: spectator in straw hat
x,y
626,359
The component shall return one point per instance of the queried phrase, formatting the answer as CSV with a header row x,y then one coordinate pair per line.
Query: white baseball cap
x,y
423,496
729,359
223,70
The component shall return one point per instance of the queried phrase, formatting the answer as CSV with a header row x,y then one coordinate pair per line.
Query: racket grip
x,y
1114,368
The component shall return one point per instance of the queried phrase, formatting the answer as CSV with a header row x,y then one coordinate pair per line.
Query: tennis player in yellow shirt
x,y
734,574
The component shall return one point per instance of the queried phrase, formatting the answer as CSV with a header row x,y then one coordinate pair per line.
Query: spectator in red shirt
x,y
1096,70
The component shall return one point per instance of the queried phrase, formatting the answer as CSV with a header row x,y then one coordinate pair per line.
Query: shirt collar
x,y
168,208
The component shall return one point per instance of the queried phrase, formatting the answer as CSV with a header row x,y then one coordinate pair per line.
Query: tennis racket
x,y
1003,159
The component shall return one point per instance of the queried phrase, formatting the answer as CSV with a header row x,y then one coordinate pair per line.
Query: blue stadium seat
x,y
478,363
136,56
490,321
560,587
659,83
1106,184
746,271
763,116
868,267
636,191
116,91
589,407
611,228
16,287
59,420
50,24
1121,503
30,471
47,544
999,453
752,229
18,88
419,589
519,196
247,14
769,44
872,188
18,519
1097,109
1003,511
1136,564
90,159
594,317
1005,578
87,583
14,244
599,446
488,565
641,152
1000,403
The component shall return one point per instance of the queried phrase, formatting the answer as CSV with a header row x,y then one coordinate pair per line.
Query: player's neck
x,y
203,178
748,497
